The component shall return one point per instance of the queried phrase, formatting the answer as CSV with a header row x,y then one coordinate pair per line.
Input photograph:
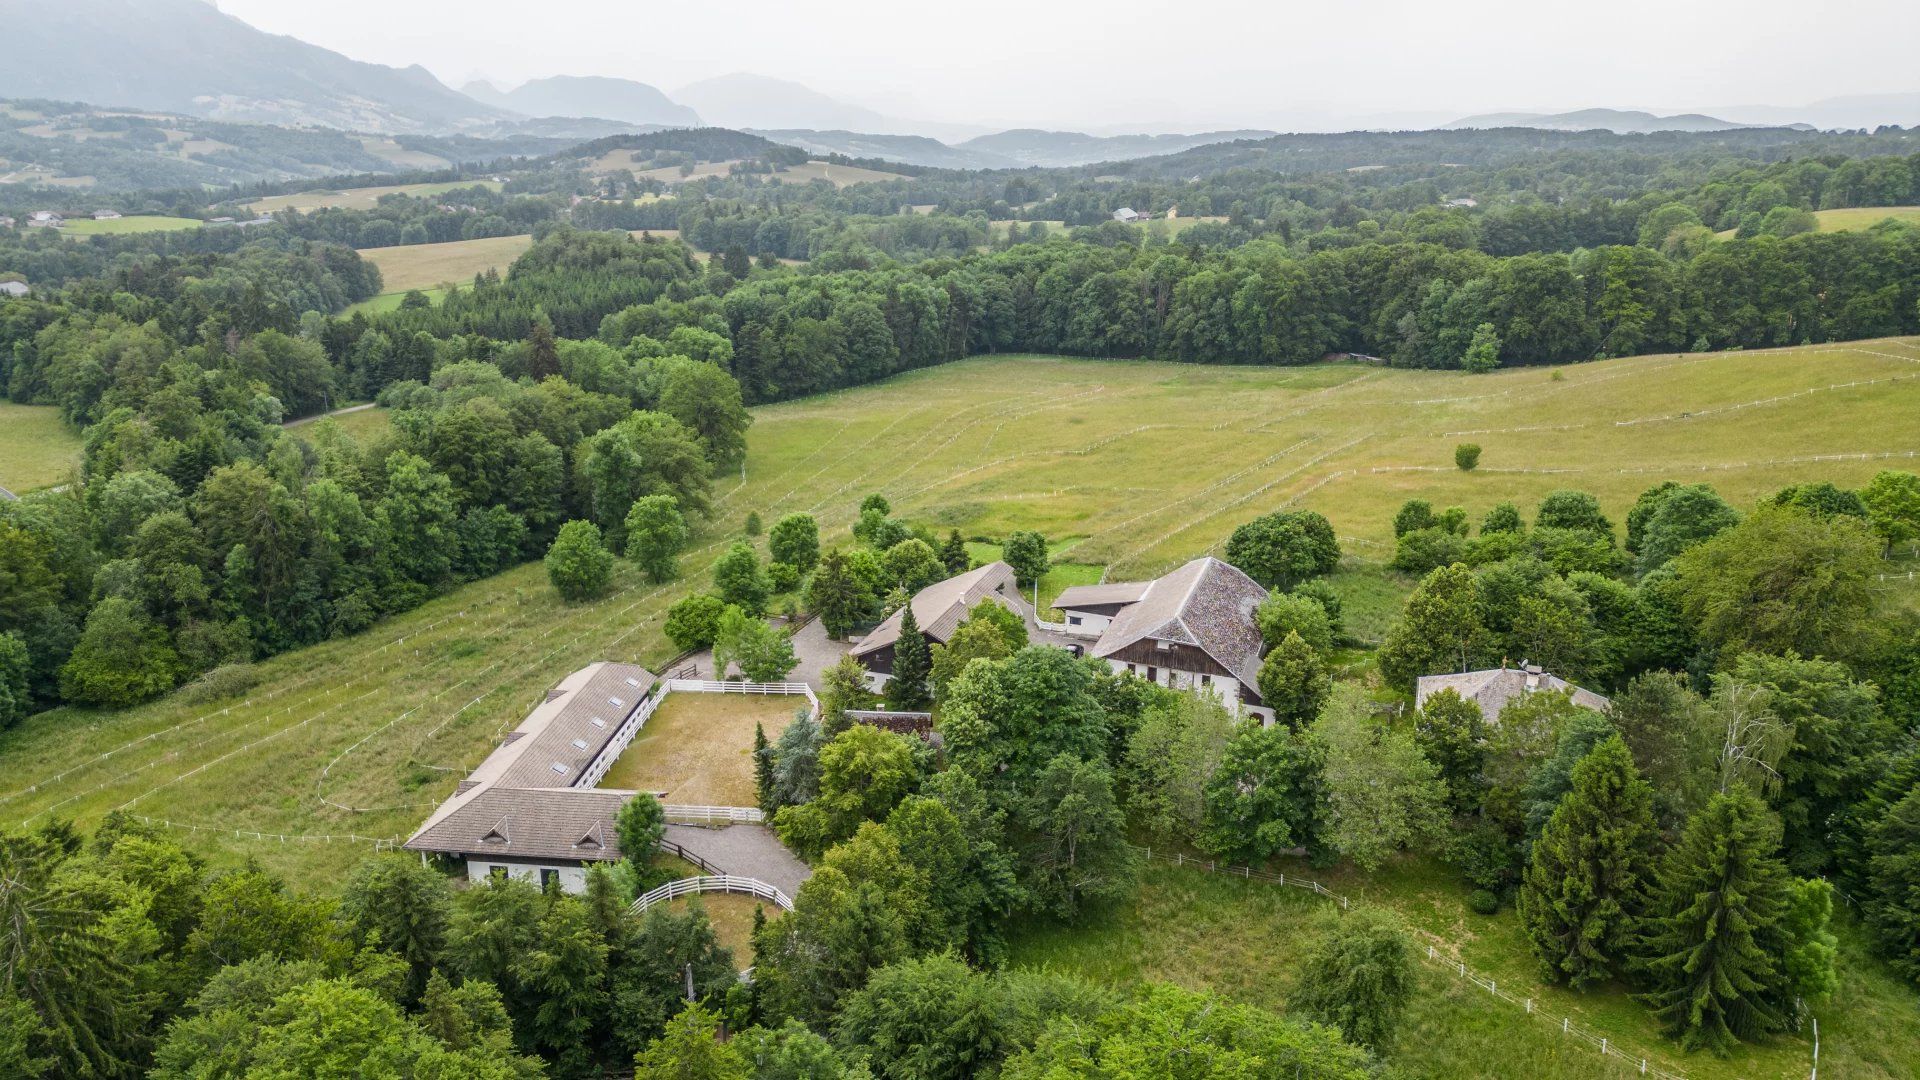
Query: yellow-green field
x,y
732,917
428,266
1139,465
37,448
365,198
135,223
1854,218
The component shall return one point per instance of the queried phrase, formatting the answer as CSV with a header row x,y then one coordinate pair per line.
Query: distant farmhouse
x,y
1191,630
106,215
1492,689
531,809
14,289
45,219
1126,213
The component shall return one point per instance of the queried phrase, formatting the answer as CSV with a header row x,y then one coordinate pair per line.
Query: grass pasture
x,y
697,749
365,198
125,226
37,448
1854,218
426,266
1148,464
1246,939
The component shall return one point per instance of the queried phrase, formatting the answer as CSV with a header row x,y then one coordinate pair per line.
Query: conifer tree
x,y
543,353
912,661
1713,929
1585,887
762,765
954,554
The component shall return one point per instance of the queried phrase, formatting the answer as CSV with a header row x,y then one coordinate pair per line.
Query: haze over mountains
x,y
186,56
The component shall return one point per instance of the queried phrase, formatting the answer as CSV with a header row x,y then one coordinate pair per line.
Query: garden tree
x,y
640,825
1583,892
690,1049
878,531
795,540
990,631
1574,510
1503,518
795,762
395,903
1466,456
1414,515
864,772
564,975
1783,581
1293,682
1026,552
874,854
752,525
739,579
1296,613
1172,753
762,652
1520,740
1168,1033
707,401
694,621
1453,735
838,595
1892,877
649,984
1714,931
1821,499
1686,516
1382,793
1837,727
1006,720
912,565
927,1019
1892,502
793,1052
1483,352
1358,976
578,564
951,839
1284,548
762,768
16,692
1674,743
656,535
838,933
912,662
122,657
1441,630
1071,840
1552,779
842,687
1265,796
954,554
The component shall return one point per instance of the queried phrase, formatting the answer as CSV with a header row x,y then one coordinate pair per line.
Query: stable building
x,y
531,810
939,609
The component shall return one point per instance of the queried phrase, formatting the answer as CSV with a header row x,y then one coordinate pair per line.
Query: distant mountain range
x,y
185,56
593,96
1619,121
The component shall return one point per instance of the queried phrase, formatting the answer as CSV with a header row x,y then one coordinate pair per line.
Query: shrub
x,y
1483,902
693,621
1466,456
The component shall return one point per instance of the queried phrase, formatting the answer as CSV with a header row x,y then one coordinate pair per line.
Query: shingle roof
x,y
941,607
565,734
527,823
1493,688
1206,603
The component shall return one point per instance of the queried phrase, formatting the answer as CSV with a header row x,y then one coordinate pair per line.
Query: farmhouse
x,y
531,809
14,289
939,609
106,215
1493,688
1192,630
46,219
6,222
1126,213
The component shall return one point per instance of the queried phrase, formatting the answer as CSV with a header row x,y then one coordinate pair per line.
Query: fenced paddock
x,y
692,741
726,883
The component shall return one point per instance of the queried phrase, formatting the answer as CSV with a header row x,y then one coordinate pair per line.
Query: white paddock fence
x,y
714,815
630,727
1637,1063
674,890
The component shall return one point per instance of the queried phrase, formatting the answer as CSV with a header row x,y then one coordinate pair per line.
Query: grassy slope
x,y
36,448
1245,939
428,266
1148,463
1856,217
359,198
134,224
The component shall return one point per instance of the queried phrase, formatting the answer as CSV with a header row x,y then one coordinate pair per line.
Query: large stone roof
x,y
1206,603
941,607
1494,688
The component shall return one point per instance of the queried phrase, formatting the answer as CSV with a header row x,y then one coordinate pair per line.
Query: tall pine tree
x,y
1714,928
1585,887
912,662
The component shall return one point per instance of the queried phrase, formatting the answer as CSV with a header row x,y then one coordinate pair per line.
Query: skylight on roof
x,y
597,722
633,682
559,768
579,744
615,702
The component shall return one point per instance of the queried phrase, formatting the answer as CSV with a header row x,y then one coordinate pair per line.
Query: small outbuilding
x,y
1494,688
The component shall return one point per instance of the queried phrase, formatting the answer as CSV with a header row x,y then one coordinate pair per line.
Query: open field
x,y
37,448
1150,463
697,749
838,175
385,302
1245,939
732,917
1853,218
137,223
365,198
428,266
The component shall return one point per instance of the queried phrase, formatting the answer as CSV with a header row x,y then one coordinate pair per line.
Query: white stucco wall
x,y
573,879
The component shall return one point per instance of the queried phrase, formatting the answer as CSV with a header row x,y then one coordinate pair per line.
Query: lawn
x,y
363,424
1245,939
385,302
136,223
365,198
1148,464
1060,576
37,448
732,917
697,749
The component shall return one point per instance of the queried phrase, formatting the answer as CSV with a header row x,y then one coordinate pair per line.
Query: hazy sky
x,y
1185,64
